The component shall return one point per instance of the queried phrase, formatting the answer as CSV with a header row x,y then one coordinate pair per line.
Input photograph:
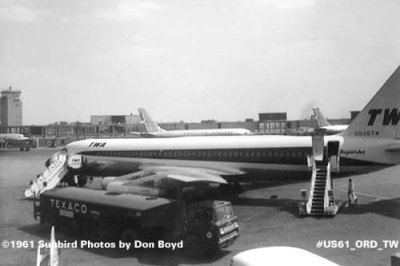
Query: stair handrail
x,y
57,167
311,194
327,186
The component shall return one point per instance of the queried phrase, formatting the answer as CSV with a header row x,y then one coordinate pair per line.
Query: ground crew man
x,y
351,194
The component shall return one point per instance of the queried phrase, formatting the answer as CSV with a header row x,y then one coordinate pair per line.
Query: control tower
x,y
10,108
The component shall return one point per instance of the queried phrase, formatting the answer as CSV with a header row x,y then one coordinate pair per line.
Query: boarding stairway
x,y
58,167
322,162
318,195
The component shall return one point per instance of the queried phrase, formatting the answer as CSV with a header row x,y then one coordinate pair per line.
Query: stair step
x,y
317,203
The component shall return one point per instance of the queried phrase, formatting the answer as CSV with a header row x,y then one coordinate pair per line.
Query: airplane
x,y
371,142
326,127
13,139
279,255
12,136
153,130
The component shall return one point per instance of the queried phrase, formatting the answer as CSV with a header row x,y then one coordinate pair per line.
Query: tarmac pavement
x,y
267,217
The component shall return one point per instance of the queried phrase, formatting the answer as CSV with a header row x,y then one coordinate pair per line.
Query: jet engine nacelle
x,y
106,181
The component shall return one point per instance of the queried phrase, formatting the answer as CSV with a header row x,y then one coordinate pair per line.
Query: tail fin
x,y
41,259
53,249
322,122
381,116
150,125
51,257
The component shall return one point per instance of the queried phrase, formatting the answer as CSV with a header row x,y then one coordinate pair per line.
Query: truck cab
x,y
211,225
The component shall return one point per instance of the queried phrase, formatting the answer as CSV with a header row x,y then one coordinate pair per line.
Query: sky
x,y
193,60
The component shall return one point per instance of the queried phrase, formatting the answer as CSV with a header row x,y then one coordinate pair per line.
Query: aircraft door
x,y
333,148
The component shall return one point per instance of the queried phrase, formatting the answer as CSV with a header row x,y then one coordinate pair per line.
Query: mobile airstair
x,y
323,161
52,175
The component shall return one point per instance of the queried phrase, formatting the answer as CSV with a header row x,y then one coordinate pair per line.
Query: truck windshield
x,y
223,212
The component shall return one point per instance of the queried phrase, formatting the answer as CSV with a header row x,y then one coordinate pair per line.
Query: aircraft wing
x,y
194,173
156,180
188,174
183,174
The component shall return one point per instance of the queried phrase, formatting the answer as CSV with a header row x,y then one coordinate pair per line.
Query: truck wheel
x,y
129,236
195,247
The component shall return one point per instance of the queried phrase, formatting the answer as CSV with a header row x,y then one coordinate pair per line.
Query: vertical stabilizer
x,y
381,116
150,125
322,122
53,249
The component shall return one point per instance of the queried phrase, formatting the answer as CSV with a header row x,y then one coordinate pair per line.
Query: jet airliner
x,y
13,139
326,127
154,130
371,142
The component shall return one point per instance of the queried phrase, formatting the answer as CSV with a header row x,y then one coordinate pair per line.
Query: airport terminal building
x,y
112,126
